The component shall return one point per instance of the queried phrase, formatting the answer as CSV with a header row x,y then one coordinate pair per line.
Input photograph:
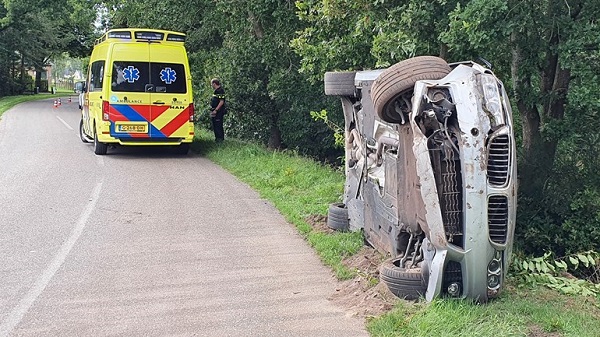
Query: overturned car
x,y
430,175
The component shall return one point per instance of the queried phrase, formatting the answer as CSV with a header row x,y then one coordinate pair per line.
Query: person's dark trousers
x,y
217,124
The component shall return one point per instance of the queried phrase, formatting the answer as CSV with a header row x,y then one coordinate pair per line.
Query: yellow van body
x,y
138,91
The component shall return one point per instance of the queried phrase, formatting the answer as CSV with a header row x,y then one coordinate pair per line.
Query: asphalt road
x,y
144,242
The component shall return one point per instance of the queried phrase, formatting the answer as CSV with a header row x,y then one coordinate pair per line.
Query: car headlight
x,y
491,96
454,289
493,281
494,274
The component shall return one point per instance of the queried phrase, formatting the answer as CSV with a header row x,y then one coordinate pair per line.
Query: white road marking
x,y
65,123
17,314
100,160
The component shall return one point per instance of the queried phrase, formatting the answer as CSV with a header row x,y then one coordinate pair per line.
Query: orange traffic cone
x,y
69,99
59,103
55,103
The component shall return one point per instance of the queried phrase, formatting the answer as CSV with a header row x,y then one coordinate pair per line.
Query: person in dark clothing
x,y
217,109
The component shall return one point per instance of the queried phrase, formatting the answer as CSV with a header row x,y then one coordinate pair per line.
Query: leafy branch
x,y
557,273
338,132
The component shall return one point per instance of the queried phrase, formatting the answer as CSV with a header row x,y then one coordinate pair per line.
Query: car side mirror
x,y
79,87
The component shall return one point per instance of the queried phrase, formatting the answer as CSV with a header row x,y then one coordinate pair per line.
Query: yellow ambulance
x,y
138,91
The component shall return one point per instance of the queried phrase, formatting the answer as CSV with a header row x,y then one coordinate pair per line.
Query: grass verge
x,y
535,312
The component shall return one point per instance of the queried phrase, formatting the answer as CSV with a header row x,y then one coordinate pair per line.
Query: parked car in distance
x,y
430,174
79,89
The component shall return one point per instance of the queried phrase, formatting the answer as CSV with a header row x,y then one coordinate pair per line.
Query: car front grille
x,y
451,198
498,218
499,160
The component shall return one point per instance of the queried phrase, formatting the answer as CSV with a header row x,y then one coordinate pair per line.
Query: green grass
x,y
518,312
299,187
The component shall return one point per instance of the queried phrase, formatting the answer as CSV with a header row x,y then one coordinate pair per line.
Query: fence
x,y
66,84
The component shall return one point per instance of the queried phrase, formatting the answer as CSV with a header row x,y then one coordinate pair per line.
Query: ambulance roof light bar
x,y
143,35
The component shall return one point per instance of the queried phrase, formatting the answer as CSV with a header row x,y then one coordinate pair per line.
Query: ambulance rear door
x,y
172,112
130,100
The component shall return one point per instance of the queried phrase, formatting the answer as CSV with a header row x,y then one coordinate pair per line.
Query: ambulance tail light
x,y
191,111
105,108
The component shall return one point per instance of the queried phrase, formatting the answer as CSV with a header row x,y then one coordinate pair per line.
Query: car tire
x,y
99,148
339,83
400,79
337,217
82,134
405,283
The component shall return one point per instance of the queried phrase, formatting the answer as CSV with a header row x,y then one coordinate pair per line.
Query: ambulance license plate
x,y
132,128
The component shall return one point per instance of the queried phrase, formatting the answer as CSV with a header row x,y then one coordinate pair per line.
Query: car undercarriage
x,y
430,174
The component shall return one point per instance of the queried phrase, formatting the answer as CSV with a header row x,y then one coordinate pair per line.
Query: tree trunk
x,y
275,136
38,77
22,68
257,28
444,51
274,141
539,152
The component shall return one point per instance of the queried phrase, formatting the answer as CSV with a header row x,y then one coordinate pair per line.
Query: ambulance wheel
x,y
82,133
99,148
394,86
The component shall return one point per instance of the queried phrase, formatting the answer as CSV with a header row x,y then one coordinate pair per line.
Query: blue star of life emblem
x,y
131,74
168,75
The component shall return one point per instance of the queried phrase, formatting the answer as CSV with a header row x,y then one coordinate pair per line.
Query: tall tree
x,y
33,31
549,50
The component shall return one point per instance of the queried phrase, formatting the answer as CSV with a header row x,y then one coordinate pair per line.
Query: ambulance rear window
x,y
148,77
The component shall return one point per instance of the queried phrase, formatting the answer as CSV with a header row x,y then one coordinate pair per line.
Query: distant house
x,y
46,76
78,75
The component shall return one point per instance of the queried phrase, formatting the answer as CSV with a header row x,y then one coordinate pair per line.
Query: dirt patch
x,y
536,331
319,223
362,296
